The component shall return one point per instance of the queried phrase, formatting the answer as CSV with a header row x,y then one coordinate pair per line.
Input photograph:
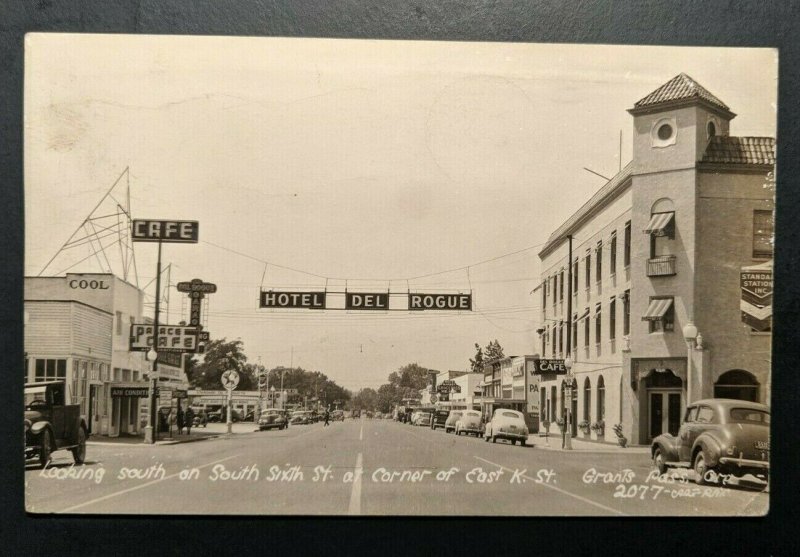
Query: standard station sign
x,y
171,338
306,300
176,231
457,302
379,301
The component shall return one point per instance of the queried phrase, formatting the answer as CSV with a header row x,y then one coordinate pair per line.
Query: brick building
x,y
678,243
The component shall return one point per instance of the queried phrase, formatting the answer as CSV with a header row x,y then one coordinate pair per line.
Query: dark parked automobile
x,y
718,436
220,415
51,424
273,419
302,417
439,418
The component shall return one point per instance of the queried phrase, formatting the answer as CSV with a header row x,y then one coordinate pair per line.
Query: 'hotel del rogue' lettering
x,y
307,300
422,302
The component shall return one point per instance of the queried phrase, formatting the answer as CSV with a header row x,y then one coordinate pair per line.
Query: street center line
x,y
355,495
140,486
361,434
550,486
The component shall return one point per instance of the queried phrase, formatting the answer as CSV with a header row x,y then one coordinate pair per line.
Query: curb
x,y
157,443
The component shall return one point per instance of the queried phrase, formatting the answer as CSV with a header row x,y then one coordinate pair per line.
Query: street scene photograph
x,y
340,277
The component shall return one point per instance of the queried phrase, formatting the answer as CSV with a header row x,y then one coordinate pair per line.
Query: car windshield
x,y
34,397
749,416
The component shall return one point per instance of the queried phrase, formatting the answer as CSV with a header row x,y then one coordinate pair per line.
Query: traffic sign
x,y
230,379
433,398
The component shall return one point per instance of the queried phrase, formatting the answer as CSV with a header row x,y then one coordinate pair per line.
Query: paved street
x,y
369,467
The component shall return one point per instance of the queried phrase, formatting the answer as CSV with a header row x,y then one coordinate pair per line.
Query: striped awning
x,y
657,309
658,223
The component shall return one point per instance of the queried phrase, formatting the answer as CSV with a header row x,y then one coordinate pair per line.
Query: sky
x,y
359,164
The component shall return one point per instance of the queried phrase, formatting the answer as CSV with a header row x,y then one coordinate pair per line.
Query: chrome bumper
x,y
744,462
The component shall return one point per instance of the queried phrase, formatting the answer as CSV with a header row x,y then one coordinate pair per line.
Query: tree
x,y
220,356
476,364
366,399
493,351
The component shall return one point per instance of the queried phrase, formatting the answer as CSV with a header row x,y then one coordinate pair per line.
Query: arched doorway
x,y
664,402
737,384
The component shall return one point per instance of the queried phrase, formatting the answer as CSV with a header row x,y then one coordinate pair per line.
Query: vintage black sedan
x,y
272,419
718,438
51,424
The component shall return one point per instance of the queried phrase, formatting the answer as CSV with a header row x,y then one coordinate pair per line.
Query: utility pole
x,y
568,360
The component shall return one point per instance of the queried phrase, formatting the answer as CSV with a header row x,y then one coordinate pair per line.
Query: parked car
x,y
51,424
718,436
301,417
200,418
272,419
220,415
423,419
439,418
507,424
337,416
470,423
452,418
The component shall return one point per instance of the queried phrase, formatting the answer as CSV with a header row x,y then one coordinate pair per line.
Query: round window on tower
x,y
663,132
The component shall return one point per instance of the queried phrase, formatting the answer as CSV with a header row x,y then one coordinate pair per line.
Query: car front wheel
x,y
45,448
700,468
658,461
79,452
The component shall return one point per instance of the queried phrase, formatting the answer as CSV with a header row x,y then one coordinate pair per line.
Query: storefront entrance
x,y
665,412
664,402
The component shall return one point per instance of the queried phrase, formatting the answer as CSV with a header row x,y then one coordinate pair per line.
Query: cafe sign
x,y
549,366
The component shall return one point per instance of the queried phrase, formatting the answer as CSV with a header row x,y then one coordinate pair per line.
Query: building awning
x,y
583,315
657,309
658,223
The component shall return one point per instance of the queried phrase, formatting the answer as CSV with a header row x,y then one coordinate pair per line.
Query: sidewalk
x,y
553,443
212,431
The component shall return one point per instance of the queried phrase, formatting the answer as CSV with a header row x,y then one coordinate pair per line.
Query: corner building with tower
x,y
671,289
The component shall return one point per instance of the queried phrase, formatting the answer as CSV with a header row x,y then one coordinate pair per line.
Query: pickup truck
x,y
51,424
718,437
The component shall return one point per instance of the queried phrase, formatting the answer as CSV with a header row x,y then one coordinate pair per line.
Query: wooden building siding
x,y
48,330
92,332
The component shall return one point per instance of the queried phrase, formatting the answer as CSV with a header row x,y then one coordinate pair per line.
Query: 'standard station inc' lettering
x,y
421,302
308,300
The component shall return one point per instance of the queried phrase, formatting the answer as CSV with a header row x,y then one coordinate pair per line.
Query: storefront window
x,y
50,370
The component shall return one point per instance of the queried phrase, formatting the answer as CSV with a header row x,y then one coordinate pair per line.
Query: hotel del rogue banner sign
x,y
375,301
756,303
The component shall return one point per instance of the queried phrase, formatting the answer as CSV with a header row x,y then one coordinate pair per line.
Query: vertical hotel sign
x,y
756,302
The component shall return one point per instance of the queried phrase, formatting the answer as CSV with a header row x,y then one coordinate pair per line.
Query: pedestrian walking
x,y
180,419
327,417
189,418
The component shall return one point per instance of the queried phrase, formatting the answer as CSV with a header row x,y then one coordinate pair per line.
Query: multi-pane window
x,y
612,263
666,322
561,338
599,262
50,370
575,331
612,319
626,258
544,343
626,313
601,399
575,277
586,329
561,287
597,322
544,295
555,289
587,399
763,230
588,268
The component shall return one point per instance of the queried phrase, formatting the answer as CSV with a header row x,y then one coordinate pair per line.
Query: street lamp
x,y
272,396
150,428
689,335
568,404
